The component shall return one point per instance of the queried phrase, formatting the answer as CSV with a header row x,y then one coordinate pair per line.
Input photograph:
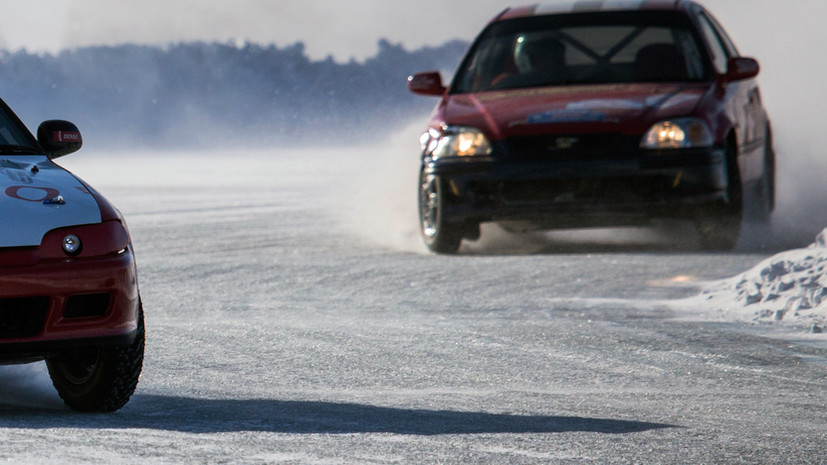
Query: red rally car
x,y
68,281
596,114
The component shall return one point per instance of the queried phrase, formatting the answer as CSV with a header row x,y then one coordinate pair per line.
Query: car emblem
x,y
564,143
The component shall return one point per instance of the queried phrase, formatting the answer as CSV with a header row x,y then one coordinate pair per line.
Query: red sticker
x,y
32,194
66,136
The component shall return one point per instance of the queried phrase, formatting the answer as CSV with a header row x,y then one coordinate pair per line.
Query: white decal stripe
x,y
24,217
548,8
622,4
588,5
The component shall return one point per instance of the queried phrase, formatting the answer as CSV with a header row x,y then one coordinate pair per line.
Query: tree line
x,y
215,94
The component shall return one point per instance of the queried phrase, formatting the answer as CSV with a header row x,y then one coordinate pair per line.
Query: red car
x,y
68,281
596,114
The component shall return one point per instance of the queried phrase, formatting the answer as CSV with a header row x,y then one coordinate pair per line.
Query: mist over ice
x,y
213,95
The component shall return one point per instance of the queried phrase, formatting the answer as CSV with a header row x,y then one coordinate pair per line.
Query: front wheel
x,y
719,227
99,379
764,202
438,234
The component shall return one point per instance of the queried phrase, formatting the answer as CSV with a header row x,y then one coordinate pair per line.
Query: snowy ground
x,y
788,289
294,317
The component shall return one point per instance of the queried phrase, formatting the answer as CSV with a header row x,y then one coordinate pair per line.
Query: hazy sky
x,y
343,28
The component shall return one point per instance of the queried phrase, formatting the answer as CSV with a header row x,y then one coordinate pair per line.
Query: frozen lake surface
x,y
294,317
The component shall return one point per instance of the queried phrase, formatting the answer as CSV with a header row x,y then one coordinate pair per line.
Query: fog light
x,y
72,245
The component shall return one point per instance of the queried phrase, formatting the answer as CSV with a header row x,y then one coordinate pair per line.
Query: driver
x,y
541,60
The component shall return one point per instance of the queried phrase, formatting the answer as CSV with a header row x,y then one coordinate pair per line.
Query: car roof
x,y
588,6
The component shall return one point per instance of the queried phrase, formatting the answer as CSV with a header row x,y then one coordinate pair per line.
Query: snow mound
x,y
789,287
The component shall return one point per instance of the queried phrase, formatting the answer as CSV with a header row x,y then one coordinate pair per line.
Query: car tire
x,y
99,379
719,227
438,234
765,196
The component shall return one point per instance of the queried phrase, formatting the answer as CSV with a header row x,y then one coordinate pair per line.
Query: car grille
x,y
609,191
22,317
87,305
570,146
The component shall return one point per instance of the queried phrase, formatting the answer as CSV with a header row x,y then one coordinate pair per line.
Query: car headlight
x,y
72,245
679,133
84,241
459,142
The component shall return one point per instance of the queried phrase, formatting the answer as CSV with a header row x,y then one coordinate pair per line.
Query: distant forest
x,y
211,94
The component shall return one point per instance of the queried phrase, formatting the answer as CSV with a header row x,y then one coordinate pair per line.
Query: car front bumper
x,y
46,307
582,193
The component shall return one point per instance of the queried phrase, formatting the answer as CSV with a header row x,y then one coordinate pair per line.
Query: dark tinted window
x,y
14,138
717,48
725,39
583,49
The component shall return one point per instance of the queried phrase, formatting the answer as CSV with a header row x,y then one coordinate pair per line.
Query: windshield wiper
x,y
18,150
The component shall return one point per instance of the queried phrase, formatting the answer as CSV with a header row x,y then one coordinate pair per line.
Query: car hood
x,y
37,196
626,108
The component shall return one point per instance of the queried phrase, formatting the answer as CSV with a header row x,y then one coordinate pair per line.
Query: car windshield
x,y
596,48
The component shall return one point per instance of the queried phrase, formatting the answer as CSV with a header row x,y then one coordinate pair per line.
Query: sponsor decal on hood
x,y
566,116
37,196
626,107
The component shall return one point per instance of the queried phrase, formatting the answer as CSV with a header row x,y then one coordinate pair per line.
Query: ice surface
x,y
293,317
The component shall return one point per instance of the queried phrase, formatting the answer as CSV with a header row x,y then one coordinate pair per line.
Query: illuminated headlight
x,y
72,245
461,142
680,133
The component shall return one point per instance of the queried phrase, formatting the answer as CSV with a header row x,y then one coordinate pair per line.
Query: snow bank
x,y
790,287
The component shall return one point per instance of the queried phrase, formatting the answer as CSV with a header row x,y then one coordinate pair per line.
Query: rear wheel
x,y
438,234
99,379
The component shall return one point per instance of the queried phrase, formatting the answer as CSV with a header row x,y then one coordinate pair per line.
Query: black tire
x,y
438,234
765,196
99,379
719,227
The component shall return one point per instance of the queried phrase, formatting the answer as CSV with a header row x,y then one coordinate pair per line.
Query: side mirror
x,y
59,138
741,68
427,83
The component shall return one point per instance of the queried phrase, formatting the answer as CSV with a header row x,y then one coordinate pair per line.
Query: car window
x,y
718,50
725,39
582,50
13,138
